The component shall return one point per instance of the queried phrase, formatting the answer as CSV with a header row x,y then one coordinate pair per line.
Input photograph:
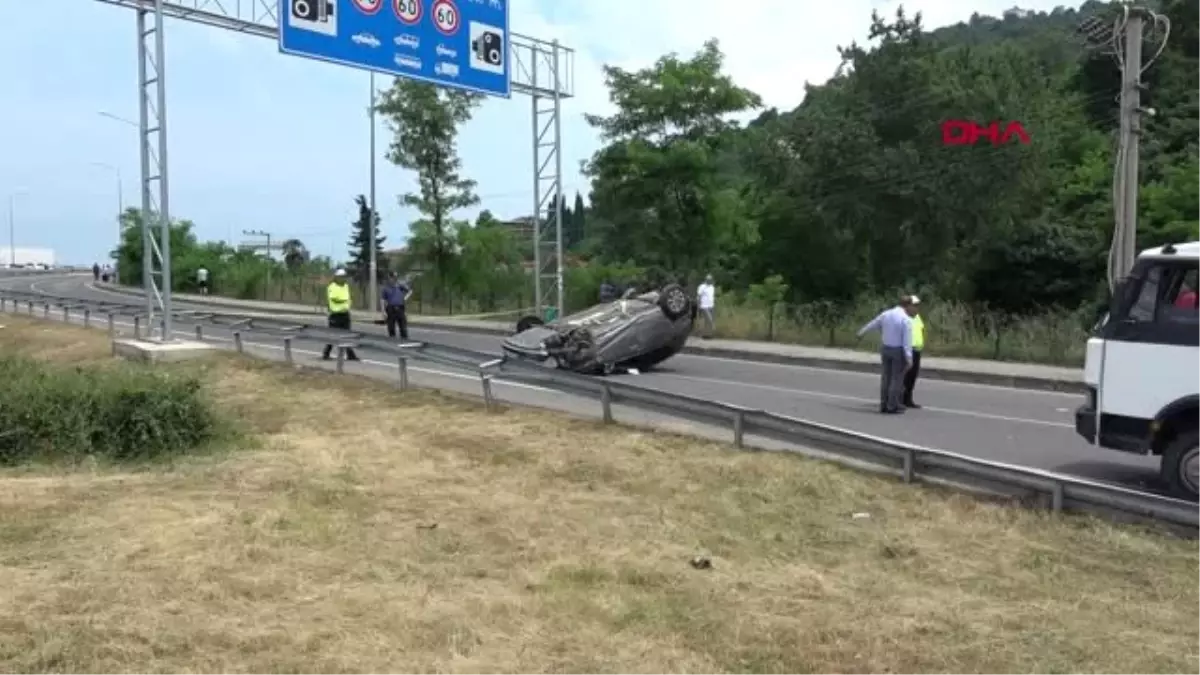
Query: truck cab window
x,y
1143,309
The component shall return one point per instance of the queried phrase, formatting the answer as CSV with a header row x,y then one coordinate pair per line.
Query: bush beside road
x,y
440,537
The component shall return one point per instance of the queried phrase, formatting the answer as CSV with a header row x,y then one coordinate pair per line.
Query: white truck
x,y
1142,367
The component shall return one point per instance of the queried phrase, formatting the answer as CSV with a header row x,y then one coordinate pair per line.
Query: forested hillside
x,y
854,193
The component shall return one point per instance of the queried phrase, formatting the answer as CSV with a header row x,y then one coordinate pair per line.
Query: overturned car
x,y
637,332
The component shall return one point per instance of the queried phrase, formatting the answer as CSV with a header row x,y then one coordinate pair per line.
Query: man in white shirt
x,y
706,296
202,280
896,353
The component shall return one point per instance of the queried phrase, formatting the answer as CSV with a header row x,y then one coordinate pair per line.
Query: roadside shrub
x,y
128,413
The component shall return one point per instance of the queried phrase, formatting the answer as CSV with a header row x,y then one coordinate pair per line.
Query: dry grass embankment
x,y
369,530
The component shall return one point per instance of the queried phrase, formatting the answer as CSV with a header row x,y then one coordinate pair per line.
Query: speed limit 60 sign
x,y
445,16
408,11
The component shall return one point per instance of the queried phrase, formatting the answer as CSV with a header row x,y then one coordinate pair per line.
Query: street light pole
x,y
12,231
120,206
12,226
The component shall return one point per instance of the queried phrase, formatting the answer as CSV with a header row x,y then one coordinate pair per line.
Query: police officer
x,y
395,296
337,294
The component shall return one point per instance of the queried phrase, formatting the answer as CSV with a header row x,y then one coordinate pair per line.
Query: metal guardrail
x,y
911,463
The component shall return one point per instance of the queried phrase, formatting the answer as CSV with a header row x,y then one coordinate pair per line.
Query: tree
x,y
578,221
359,266
659,180
295,254
425,121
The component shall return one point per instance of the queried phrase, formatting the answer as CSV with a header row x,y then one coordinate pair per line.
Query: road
x,y
1016,426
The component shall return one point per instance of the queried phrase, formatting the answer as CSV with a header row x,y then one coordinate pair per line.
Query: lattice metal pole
x,y
558,198
152,128
164,211
144,148
536,219
547,181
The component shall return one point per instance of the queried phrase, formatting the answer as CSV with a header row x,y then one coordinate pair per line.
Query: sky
x,y
242,152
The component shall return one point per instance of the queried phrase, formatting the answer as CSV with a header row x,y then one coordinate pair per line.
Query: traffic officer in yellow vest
x,y
337,294
918,343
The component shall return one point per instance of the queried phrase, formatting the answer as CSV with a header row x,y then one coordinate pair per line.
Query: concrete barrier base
x,y
151,351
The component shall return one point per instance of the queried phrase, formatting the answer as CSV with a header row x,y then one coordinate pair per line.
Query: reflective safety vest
x,y
918,329
338,297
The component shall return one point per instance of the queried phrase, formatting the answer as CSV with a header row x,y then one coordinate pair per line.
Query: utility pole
x,y
266,248
1126,207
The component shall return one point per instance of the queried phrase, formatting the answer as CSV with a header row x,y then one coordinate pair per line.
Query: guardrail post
x,y
199,333
287,349
485,381
606,404
739,427
137,328
910,465
341,359
66,314
162,330
403,373
237,341
112,325
1056,498
30,303
87,318
45,310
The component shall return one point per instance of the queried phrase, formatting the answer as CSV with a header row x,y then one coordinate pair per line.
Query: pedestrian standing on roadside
x,y
395,296
918,344
202,279
706,297
895,330
95,271
337,296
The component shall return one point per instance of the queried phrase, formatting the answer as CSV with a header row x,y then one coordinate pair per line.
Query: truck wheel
x,y
527,322
673,301
1180,464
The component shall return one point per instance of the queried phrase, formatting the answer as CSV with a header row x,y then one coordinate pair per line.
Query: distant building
x,y
26,256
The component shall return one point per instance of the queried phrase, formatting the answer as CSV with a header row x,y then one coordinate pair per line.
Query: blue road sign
x,y
451,43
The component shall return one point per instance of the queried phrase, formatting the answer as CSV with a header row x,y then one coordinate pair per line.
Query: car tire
x,y
527,322
1179,464
674,301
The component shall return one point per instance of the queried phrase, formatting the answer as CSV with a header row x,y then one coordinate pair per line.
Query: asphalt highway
x,y
1023,427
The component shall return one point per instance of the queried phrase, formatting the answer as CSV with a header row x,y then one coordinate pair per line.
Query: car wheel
x,y
673,301
1181,463
527,322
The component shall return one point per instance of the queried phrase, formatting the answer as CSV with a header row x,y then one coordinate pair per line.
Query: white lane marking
x,y
775,366
858,399
381,364
764,387
996,388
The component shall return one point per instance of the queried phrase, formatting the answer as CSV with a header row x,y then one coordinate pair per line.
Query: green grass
x,y
118,412
951,329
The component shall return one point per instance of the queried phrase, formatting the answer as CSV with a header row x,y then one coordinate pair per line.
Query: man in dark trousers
x,y
395,295
896,353
337,295
918,344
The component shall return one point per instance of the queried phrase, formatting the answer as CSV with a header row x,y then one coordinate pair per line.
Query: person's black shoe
x,y
892,411
913,405
353,357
